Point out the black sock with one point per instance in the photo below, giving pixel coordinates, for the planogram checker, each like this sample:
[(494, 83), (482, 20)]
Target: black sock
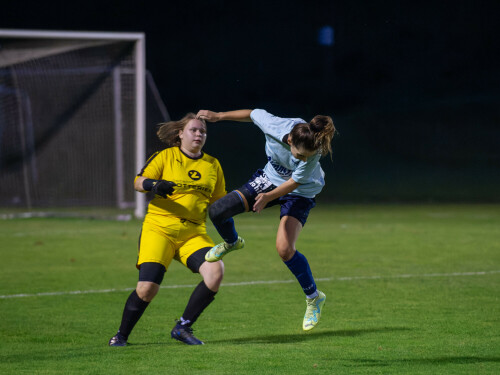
[(199, 300), (134, 307)]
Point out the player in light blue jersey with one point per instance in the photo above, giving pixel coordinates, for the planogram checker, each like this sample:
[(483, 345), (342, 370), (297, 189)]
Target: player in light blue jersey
[(292, 178)]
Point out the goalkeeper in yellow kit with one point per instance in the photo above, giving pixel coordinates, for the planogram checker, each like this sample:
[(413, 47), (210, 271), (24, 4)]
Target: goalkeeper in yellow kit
[(185, 182)]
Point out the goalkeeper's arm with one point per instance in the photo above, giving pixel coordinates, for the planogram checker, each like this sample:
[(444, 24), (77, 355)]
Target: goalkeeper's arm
[(161, 188)]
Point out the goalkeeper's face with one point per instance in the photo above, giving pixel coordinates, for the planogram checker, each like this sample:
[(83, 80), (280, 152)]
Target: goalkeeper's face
[(193, 136)]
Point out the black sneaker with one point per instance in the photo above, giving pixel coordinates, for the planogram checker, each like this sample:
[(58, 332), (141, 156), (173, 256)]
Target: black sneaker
[(185, 335), (117, 340)]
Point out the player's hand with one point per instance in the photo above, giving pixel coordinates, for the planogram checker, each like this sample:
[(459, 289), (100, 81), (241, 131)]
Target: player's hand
[(260, 202), (163, 188), (208, 115)]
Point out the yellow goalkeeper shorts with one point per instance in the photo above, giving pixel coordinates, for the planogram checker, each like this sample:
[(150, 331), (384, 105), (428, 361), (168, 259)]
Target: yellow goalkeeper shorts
[(166, 238)]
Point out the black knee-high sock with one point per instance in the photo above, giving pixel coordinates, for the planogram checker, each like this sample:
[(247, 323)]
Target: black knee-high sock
[(134, 307), (199, 300)]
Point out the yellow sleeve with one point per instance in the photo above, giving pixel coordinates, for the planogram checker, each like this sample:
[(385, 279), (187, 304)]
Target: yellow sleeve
[(220, 185), (153, 168)]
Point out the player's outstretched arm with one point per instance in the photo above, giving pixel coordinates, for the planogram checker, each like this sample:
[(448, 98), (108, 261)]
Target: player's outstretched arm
[(242, 115)]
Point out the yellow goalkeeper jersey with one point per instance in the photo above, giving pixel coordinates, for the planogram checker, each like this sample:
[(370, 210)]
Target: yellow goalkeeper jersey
[(199, 182)]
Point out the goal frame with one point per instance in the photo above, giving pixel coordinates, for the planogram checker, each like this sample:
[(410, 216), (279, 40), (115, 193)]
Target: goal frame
[(139, 40)]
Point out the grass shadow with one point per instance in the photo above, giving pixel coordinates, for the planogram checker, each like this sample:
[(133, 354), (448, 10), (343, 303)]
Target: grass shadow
[(306, 336)]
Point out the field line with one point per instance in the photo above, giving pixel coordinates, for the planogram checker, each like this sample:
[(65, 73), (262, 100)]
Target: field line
[(261, 282)]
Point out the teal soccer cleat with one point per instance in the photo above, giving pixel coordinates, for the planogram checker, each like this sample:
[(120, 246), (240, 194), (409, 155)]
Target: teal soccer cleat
[(218, 251), (313, 311)]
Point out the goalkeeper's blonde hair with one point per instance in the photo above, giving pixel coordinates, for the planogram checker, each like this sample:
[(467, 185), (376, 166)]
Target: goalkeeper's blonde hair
[(168, 132)]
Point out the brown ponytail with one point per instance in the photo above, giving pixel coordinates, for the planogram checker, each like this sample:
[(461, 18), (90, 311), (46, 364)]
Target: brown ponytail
[(315, 136), (168, 132)]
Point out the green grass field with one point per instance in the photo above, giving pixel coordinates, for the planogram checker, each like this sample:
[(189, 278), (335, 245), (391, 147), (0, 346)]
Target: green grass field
[(410, 290)]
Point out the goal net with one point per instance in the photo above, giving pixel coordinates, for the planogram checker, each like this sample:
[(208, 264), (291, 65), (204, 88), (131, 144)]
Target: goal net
[(72, 121)]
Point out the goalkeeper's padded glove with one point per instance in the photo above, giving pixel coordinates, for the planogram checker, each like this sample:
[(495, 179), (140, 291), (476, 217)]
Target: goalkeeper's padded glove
[(161, 188)]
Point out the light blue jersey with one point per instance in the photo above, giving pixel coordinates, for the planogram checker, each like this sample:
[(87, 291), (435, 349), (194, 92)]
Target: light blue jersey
[(281, 164)]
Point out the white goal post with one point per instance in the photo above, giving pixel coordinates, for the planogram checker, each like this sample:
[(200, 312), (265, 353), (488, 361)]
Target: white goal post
[(72, 117)]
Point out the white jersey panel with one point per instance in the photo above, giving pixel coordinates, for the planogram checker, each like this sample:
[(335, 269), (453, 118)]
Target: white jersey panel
[(281, 164)]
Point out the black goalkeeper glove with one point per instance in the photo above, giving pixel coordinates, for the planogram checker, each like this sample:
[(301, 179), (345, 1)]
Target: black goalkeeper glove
[(159, 187)]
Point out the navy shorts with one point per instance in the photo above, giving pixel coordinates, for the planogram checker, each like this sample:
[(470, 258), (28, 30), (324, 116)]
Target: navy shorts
[(291, 205)]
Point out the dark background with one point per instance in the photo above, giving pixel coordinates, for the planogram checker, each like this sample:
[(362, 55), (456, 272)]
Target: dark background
[(413, 87)]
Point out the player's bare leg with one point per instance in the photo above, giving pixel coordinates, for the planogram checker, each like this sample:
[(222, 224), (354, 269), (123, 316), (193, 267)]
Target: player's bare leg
[(201, 297), (288, 232)]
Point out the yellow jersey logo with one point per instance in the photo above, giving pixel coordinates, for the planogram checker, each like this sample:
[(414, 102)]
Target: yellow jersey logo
[(194, 175)]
